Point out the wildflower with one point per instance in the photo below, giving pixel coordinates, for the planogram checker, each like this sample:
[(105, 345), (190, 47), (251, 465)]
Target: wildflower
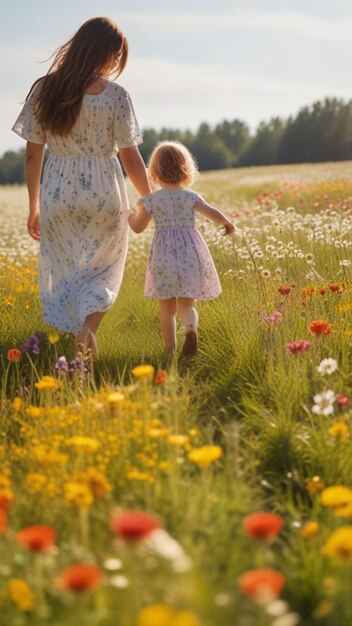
[(324, 403), (47, 383), (205, 456), (309, 529), (53, 338), (314, 485), (80, 577), (85, 444), (307, 291), (3, 521), (327, 366), (298, 346), (35, 482), (263, 525), (345, 263), (115, 398), (322, 291), (161, 377), (134, 525), (61, 364), (266, 273), (17, 404), (14, 355), (339, 429), (319, 327), (273, 318), (285, 290), (339, 545), (262, 584), (334, 288), (37, 538), (78, 494), (145, 372), (289, 619), (341, 399), (178, 440), (21, 594), (155, 615), (31, 345), (339, 499)]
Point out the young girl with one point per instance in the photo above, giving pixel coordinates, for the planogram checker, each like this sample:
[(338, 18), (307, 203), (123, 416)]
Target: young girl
[(180, 269), (84, 119)]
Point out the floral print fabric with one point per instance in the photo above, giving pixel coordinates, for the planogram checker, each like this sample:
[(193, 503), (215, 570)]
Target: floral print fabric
[(83, 206), (179, 263)]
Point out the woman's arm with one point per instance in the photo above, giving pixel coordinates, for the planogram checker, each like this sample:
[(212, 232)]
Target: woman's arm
[(33, 170), (215, 215), (135, 169), (140, 220)]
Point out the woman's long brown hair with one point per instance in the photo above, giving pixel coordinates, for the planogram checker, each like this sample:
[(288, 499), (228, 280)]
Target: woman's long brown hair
[(98, 45)]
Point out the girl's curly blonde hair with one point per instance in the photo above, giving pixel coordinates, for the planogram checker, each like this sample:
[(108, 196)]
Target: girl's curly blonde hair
[(172, 163)]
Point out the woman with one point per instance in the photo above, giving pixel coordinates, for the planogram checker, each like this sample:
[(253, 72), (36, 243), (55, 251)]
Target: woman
[(84, 119)]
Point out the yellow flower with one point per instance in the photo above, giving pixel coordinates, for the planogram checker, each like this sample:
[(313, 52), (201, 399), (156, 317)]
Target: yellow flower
[(97, 482), (136, 474), (45, 456), (53, 338), (35, 482), (339, 499), (145, 372), (86, 444), (314, 485), (205, 456), (185, 618), (339, 429), (155, 615), (309, 529), (21, 594), (34, 411), (116, 397), (339, 545), (47, 382), (17, 404), (158, 433), (78, 494), (178, 440)]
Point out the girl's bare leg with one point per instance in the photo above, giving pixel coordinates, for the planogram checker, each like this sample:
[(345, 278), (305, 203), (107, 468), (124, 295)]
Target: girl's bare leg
[(168, 323), (86, 335), (189, 317)]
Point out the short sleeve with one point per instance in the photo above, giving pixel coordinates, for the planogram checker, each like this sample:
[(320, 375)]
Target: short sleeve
[(148, 204), (126, 129), (27, 125)]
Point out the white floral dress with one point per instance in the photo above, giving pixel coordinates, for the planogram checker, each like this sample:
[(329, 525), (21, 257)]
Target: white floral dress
[(179, 264), (83, 206)]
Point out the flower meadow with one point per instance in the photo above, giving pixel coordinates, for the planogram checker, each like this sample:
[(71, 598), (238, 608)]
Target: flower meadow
[(215, 491)]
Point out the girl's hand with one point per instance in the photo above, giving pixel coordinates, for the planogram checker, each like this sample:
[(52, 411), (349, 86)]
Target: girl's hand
[(229, 228), (33, 225)]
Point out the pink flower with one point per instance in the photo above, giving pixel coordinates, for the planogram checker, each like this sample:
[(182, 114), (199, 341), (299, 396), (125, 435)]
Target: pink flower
[(274, 318), (284, 290), (341, 399), (298, 346)]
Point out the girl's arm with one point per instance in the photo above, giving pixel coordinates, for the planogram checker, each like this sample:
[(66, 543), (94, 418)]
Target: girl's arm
[(140, 220), (135, 169), (33, 170), (214, 214)]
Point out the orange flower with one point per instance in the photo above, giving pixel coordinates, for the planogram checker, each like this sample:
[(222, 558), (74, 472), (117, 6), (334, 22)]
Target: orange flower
[(259, 583), (134, 525), (37, 538), (307, 291), (14, 355), (263, 525), (160, 377), (80, 577), (3, 522), (320, 327)]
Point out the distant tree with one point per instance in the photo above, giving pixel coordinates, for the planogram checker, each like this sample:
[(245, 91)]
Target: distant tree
[(236, 137), (209, 150), (12, 167), (264, 146)]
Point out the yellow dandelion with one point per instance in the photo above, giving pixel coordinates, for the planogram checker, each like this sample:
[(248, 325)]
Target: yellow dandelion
[(339, 499), (97, 482), (47, 383), (205, 456), (178, 440), (116, 397), (85, 444), (35, 482), (309, 529), (144, 372), (78, 494), (21, 594), (53, 338), (34, 411), (339, 429), (339, 545)]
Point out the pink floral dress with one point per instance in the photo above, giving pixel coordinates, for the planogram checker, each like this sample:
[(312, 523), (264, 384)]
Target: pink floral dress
[(179, 263)]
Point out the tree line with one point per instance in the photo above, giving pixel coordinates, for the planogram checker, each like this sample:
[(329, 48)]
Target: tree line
[(319, 132)]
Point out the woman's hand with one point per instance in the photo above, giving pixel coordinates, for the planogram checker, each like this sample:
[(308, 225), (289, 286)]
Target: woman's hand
[(33, 225)]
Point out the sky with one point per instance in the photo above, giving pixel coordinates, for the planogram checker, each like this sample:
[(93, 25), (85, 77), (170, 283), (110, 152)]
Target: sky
[(191, 61)]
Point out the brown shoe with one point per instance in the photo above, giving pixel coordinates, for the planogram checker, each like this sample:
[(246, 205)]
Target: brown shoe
[(190, 345)]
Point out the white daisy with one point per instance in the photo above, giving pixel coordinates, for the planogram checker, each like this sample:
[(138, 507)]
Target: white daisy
[(327, 366), (324, 403)]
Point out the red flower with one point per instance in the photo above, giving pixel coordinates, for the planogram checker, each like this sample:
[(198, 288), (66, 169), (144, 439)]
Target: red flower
[(37, 538), (5, 501), (341, 399), (322, 291), (307, 291), (160, 377), (284, 290), (262, 582), (80, 577), (14, 355), (298, 346), (3, 522), (134, 525), (320, 327), (334, 288), (263, 525)]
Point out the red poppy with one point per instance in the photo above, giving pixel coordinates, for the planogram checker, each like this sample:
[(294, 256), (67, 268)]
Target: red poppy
[(14, 355), (258, 582), (334, 288), (5, 501), (37, 538), (80, 577), (263, 525), (3, 522), (284, 290), (322, 291), (320, 327), (160, 377), (134, 525)]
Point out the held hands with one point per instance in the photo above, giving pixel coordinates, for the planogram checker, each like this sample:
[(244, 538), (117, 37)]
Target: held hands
[(229, 228), (33, 225)]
